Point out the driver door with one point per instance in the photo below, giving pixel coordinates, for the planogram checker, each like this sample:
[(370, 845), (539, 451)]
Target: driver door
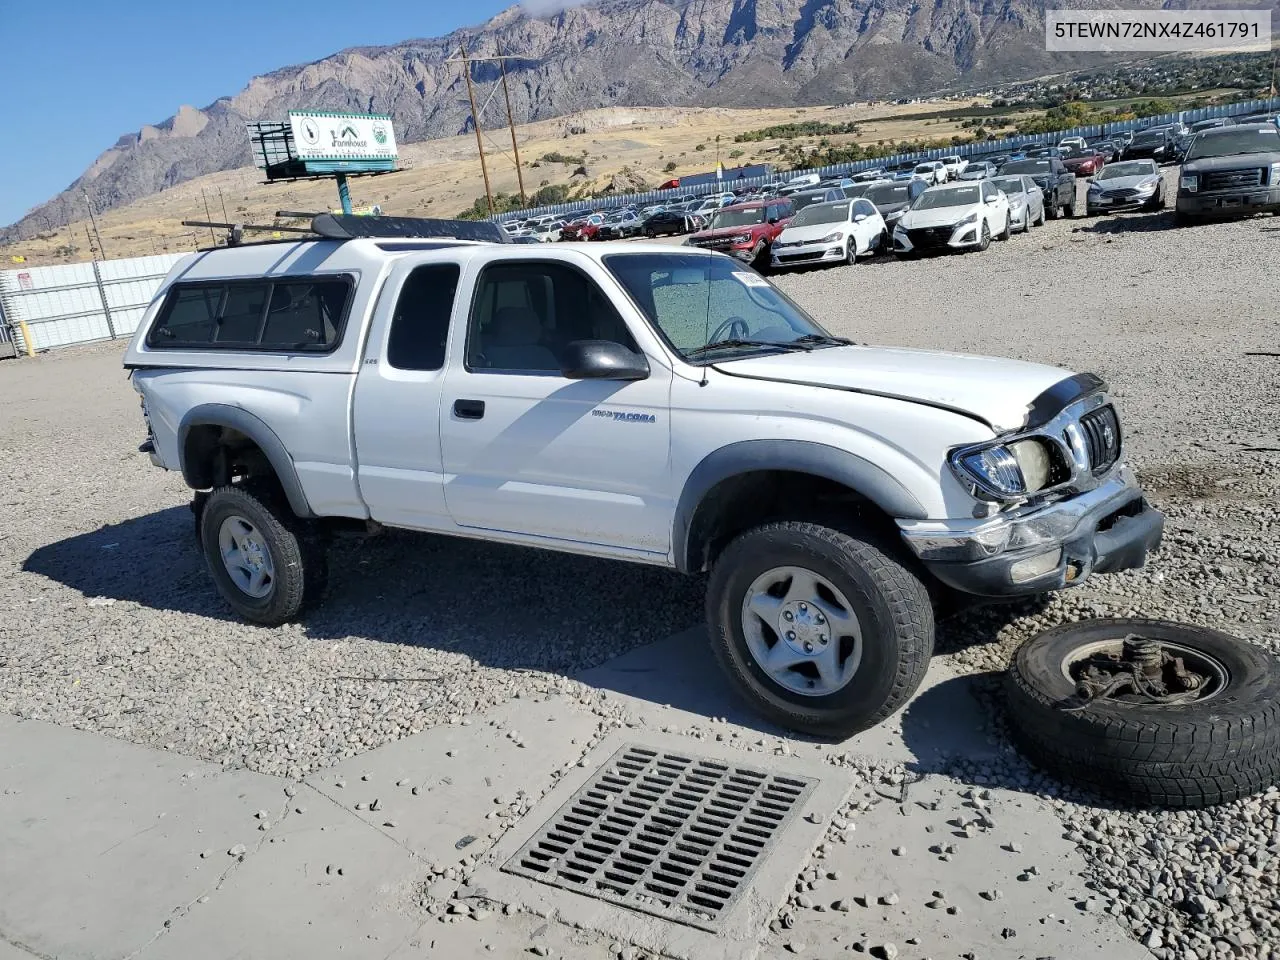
[(531, 453)]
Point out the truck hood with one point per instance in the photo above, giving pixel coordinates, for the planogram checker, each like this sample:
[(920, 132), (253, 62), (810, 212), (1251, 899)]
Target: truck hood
[(1241, 161), (997, 391), (724, 233)]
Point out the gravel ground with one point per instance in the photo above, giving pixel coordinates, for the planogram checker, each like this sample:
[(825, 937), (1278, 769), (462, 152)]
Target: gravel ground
[(110, 623)]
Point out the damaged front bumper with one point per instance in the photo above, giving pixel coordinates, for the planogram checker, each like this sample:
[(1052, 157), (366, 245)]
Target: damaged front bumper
[(1041, 548)]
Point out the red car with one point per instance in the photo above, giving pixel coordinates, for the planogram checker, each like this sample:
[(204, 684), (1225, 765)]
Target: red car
[(584, 228), (1083, 163), (746, 230)]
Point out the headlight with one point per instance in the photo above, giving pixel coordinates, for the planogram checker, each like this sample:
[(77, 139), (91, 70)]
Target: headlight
[(1007, 471), (900, 231), (1191, 184), (832, 238), (742, 238), (1275, 174), (971, 218), (1146, 188), (1095, 188)]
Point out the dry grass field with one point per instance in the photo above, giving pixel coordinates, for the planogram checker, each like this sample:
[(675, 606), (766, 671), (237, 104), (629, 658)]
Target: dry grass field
[(442, 177)]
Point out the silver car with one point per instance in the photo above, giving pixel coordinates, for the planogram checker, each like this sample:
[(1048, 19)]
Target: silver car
[(1026, 201), (1126, 185), (981, 170)]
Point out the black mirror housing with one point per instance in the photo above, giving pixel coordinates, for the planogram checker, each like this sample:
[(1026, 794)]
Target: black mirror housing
[(602, 360)]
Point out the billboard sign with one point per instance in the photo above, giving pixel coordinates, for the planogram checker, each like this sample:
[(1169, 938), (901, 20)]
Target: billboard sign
[(359, 138)]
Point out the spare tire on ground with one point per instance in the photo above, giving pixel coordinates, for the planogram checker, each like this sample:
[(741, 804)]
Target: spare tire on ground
[(1149, 711)]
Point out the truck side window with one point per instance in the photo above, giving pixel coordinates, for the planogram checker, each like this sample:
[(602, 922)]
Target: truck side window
[(420, 325), (525, 313), (188, 316)]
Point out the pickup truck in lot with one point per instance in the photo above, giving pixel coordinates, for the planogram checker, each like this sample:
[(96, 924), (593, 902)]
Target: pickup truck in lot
[(746, 230), (1230, 171), (646, 403)]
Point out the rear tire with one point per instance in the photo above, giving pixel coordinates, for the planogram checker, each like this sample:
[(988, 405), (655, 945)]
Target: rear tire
[(1008, 227), (1040, 219), (888, 608), (255, 525)]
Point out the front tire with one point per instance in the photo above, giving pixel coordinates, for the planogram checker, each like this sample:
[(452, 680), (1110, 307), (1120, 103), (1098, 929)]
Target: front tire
[(821, 631), (263, 560), (850, 252), (1040, 218), (984, 238)]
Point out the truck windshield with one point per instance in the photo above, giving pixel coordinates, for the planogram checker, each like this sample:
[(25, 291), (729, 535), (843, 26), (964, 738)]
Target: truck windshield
[(737, 218), (1235, 143), (710, 308)]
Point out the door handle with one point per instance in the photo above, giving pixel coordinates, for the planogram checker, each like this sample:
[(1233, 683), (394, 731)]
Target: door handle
[(468, 409)]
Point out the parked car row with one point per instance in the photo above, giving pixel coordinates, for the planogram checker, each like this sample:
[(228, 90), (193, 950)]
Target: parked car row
[(1123, 170)]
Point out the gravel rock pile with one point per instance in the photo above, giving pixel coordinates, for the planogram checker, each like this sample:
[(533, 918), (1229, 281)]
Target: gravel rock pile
[(111, 624)]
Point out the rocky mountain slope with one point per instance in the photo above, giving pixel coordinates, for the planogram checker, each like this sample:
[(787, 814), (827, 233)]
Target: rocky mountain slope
[(609, 52)]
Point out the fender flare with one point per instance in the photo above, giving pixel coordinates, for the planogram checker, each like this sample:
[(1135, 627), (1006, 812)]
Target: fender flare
[(801, 456), (239, 419)]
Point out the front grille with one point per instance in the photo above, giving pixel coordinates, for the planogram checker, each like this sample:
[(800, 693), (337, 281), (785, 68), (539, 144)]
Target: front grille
[(1125, 194), (1230, 179), (1101, 430), (797, 257), (671, 834), (926, 237), (717, 243)]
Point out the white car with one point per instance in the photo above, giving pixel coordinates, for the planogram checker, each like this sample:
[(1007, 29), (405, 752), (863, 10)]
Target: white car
[(955, 165), (955, 217), (932, 171), (1072, 143), (548, 232), (807, 180), (830, 233)]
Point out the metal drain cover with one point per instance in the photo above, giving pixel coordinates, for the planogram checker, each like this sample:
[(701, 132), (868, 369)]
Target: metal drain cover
[(671, 834)]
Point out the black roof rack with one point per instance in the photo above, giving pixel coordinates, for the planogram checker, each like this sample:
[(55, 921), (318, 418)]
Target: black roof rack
[(330, 226)]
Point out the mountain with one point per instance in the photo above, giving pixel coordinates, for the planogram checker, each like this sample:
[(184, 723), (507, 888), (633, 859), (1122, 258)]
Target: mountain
[(610, 52)]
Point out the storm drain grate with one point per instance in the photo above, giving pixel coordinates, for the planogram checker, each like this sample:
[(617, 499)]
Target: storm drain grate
[(674, 835)]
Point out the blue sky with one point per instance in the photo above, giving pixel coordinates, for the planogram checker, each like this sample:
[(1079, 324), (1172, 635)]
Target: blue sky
[(77, 74)]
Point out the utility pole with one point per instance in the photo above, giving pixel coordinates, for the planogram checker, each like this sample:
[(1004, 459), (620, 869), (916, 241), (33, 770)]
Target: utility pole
[(94, 220), (475, 121), (511, 125), (225, 218), (208, 217)]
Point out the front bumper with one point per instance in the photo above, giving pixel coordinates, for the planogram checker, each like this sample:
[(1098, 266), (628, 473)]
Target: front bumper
[(1229, 203), (809, 253), (1046, 548), (1101, 204), (938, 238)]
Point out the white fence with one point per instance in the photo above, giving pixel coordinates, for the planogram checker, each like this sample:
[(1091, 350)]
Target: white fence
[(79, 302)]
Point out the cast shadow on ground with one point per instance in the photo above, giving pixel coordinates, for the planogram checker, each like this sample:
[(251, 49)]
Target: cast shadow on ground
[(1131, 223), (632, 629)]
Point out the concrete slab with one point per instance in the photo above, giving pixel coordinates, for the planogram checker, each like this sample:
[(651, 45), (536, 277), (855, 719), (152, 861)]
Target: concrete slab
[(459, 772), (449, 938), (289, 900), (738, 939), (100, 840), (676, 682), (1015, 885)]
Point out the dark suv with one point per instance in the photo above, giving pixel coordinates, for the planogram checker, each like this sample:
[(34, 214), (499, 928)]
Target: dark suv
[(1230, 171), (1056, 182)]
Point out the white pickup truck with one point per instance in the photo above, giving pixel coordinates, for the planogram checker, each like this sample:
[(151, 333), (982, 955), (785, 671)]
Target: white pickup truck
[(643, 402)]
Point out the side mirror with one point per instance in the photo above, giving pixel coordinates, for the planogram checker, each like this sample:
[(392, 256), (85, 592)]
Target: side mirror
[(602, 360), (773, 221), (859, 217)]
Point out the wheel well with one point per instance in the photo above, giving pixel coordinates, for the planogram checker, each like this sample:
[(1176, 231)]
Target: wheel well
[(214, 456), (741, 502)]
